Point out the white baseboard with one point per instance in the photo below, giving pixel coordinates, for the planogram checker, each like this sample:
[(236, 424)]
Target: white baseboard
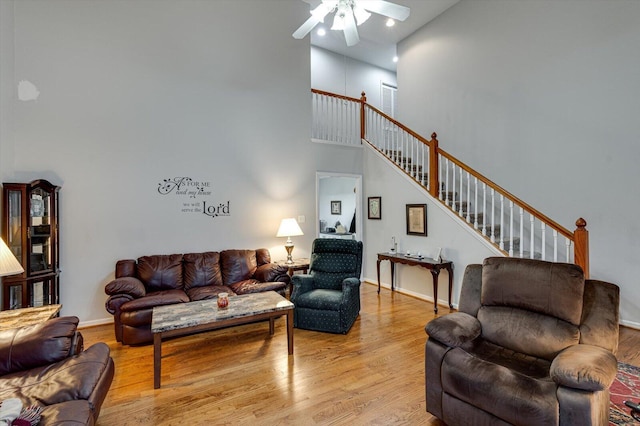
[(93, 323)]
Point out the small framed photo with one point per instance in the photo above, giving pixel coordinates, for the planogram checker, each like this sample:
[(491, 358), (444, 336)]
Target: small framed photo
[(417, 219), (374, 208), (336, 207)]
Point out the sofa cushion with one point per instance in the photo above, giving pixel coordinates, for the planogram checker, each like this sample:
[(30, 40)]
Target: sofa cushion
[(161, 272), (202, 269), (36, 345), (527, 332), (320, 299), (72, 378), (548, 288), (254, 286), (157, 298), (509, 395), (208, 292), (237, 265)]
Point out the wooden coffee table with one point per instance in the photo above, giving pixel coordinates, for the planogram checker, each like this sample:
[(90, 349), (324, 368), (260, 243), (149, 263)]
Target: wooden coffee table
[(193, 317)]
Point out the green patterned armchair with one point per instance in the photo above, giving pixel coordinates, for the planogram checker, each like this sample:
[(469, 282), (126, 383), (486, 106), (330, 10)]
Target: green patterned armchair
[(328, 298)]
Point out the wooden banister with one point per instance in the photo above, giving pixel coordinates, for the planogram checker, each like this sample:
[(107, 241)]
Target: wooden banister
[(363, 102), (581, 248), (434, 184)]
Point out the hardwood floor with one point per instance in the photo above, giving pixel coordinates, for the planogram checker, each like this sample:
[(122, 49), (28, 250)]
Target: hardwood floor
[(374, 375)]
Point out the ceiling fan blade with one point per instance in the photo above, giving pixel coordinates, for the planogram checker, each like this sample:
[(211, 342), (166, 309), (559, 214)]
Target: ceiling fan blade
[(350, 30), (317, 15), (381, 7), (306, 27)]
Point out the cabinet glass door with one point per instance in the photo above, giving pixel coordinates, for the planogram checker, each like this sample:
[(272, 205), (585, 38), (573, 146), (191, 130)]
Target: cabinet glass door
[(40, 231), (42, 293), (14, 234)]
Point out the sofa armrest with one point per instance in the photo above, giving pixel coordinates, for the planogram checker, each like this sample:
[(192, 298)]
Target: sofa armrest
[(301, 283), (585, 367), (272, 272), (349, 286), (87, 376), (113, 303), (37, 345), (454, 329), (126, 285)]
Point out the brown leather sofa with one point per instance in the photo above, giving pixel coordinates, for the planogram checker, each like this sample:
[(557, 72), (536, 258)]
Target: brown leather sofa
[(533, 343), (178, 278), (45, 365)]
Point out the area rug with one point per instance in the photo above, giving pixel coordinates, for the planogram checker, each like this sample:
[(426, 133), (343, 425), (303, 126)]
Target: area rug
[(626, 387)]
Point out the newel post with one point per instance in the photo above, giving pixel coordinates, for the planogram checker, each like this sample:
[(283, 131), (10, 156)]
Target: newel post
[(581, 248), (434, 185), (363, 101)]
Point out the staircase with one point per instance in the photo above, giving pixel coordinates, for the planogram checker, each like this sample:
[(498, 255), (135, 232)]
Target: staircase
[(510, 224)]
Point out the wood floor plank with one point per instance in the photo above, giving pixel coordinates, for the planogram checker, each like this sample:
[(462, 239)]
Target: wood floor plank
[(374, 375)]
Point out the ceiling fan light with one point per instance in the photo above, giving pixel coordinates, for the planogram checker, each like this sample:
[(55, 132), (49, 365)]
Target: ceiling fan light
[(338, 22), (321, 11), (390, 22), (360, 14)]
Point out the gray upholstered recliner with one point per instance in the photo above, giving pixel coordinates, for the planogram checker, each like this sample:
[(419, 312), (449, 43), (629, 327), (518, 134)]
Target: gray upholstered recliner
[(533, 343), (328, 298)]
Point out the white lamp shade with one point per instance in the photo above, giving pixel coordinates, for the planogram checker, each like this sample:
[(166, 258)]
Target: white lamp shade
[(9, 265), (289, 228)]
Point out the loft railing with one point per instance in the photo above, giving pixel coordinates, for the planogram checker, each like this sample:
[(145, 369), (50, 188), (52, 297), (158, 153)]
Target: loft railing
[(510, 224)]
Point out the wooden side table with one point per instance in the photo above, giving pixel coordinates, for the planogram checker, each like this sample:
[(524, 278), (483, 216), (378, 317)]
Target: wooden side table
[(297, 265), (430, 264)]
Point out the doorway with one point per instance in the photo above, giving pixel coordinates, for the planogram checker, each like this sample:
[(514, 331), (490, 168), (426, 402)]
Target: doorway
[(339, 205)]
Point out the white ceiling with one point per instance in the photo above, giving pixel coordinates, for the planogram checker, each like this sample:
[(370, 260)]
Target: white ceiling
[(377, 41)]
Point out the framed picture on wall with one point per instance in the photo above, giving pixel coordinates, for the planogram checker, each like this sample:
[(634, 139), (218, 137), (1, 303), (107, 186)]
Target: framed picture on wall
[(336, 207), (417, 219), (375, 208)]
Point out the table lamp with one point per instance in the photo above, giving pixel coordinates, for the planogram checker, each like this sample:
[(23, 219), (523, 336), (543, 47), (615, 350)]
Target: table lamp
[(9, 265), (289, 228)]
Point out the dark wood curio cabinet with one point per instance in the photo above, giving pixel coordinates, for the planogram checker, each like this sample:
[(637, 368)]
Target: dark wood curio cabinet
[(30, 229)]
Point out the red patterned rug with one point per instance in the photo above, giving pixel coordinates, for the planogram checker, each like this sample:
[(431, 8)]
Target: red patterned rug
[(626, 387)]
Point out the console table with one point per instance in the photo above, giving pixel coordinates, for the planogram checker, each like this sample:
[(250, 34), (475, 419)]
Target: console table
[(432, 265)]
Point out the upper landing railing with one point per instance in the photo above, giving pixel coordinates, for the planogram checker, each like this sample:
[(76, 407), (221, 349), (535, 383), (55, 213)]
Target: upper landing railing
[(513, 226)]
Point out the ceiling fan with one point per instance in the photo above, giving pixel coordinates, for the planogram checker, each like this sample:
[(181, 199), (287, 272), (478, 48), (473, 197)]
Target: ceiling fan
[(349, 14)]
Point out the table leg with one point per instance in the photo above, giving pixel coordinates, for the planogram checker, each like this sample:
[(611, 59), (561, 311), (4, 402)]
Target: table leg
[(290, 331), (434, 274), (378, 268), (393, 273), (272, 328), (157, 359)]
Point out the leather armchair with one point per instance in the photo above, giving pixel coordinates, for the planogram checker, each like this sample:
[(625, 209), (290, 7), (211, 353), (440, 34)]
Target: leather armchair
[(46, 365), (533, 343), (328, 298)]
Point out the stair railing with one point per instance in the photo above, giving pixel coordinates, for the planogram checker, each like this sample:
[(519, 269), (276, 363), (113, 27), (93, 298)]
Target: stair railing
[(510, 224)]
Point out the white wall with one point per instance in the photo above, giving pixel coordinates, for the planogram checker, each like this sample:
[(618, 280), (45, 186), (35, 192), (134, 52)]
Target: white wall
[(338, 74), (132, 93), (458, 244), (542, 97)]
